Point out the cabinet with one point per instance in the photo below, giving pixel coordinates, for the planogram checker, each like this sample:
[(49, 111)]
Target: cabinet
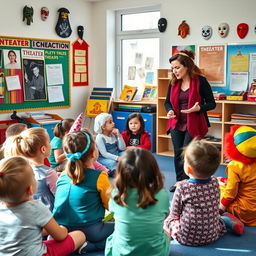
[(217, 129)]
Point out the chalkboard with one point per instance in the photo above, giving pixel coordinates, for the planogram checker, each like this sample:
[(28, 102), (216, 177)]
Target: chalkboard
[(34, 74)]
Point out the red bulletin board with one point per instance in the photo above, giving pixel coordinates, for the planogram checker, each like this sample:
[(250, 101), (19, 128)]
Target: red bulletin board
[(80, 63)]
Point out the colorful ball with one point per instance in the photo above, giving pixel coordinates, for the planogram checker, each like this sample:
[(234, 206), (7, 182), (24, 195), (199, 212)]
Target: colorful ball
[(245, 141)]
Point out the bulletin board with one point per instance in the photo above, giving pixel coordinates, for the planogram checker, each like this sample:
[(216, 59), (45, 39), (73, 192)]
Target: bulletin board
[(39, 77), (241, 58)]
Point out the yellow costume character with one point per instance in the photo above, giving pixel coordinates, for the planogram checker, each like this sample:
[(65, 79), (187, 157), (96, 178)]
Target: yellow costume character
[(239, 195)]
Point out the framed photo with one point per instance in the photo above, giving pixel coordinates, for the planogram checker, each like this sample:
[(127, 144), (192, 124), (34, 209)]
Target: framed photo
[(12, 59), (34, 80)]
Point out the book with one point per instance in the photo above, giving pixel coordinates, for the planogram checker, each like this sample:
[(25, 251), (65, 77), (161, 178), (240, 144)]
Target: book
[(147, 92), (96, 106), (139, 93), (128, 93), (153, 93)]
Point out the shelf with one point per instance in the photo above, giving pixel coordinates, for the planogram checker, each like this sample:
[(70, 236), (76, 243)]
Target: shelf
[(239, 123), (213, 142), (166, 153), (215, 122), (164, 78), (164, 136), (143, 102), (163, 117)]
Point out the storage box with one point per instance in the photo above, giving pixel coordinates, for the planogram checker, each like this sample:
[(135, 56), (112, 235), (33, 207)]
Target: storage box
[(3, 126), (47, 123)]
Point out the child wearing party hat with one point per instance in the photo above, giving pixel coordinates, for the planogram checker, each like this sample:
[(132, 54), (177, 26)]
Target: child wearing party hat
[(238, 197)]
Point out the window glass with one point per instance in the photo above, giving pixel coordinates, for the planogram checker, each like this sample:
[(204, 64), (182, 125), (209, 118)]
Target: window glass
[(139, 21)]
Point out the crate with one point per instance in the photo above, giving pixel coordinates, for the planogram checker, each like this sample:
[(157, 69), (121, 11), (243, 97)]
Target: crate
[(3, 126), (46, 124)]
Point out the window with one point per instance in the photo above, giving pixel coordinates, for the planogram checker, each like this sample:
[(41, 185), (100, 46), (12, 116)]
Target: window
[(137, 47)]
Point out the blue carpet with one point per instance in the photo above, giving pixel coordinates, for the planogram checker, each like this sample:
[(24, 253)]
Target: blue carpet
[(228, 245)]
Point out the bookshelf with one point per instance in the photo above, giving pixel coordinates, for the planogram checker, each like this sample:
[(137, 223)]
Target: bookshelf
[(217, 129)]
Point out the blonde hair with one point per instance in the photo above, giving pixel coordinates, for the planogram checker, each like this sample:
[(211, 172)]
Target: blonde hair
[(76, 142), (27, 143), (203, 157), (13, 178), (15, 129)]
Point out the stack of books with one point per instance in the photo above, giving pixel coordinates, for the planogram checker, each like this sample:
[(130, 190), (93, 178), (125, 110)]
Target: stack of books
[(213, 116), (99, 101), (243, 118), (42, 118)]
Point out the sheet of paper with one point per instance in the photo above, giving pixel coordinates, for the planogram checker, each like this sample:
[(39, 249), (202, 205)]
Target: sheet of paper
[(252, 70), (77, 78), (80, 53), (239, 63), (55, 94), (83, 77), (79, 60), (12, 83), (238, 81), (54, 74), (80, 68)]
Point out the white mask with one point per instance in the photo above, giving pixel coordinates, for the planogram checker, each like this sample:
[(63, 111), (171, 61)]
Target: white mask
[(223, 29), (206, 32)]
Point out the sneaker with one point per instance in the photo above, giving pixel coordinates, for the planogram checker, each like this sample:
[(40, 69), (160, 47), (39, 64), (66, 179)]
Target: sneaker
[(80, 250), (233, 223), (111, 173)]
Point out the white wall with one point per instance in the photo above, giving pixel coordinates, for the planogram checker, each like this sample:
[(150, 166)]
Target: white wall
[(80, 14), (197, 13)]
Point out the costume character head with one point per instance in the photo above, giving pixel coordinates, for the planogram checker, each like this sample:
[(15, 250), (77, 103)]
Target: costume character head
[(63, 28), (206, 32), (183, 29), (28, 14), (242, 30), (44, 13), (223, 29), (240, 144), (162, 24)]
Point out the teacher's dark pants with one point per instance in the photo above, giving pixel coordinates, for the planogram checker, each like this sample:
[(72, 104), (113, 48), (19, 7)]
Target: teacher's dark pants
[(180, 139)]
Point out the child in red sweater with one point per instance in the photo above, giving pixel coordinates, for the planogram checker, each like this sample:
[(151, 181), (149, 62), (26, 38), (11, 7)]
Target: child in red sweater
[(135, 134)]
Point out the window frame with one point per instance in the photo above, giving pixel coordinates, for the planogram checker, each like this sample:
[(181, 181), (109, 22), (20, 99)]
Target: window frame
[(131, 34)]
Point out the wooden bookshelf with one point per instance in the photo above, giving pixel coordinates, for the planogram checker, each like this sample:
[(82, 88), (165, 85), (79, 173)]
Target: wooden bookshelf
[(217, 129)]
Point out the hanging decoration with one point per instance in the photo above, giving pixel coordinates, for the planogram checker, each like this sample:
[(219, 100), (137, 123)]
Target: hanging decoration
[(162, 24), (242, 30), (183, 29), (223, 29), (28, 14), (44, 13), (80, 59), (207, 32), (63, 28)]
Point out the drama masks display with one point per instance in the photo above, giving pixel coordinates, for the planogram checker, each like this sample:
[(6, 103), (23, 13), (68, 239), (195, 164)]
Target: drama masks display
[(242, 30), (63, 28), (44, 13), (183, 29), (80, 32), (207, 32), (223, 29), (162, 24), (28, 14)]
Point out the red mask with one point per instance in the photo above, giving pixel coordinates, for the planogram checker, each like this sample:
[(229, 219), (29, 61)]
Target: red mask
[(242, 30), (183, 29)]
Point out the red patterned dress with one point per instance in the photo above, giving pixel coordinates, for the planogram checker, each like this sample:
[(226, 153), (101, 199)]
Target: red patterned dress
[(194, 216)]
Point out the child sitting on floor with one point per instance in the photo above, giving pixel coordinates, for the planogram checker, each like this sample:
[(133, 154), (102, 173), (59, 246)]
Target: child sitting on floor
[(109, 141), (135, 134), (81, 197), (194, 216), (239, 195), (28, 219), (140, 204), (34, 144)]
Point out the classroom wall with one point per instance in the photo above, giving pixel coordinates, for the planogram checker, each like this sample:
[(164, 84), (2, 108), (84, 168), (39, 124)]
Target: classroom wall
[(80, 14), (197, 13)]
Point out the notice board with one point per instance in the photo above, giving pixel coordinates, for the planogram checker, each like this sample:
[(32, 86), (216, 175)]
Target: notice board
[(34, 74)]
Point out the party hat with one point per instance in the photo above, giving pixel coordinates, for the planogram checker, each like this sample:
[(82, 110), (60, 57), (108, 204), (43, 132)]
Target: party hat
[(77, 125)]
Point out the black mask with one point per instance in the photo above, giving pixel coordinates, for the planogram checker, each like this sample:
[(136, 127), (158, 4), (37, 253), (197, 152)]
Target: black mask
[(80, 32), (162, 24)]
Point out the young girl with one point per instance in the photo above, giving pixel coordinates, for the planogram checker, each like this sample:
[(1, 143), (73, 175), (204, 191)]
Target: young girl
[(27, 218), (135, 134), (239, 195), (60, 130), (140, 205), (194, 217), (81, 197), (109, 141), (34, 144)]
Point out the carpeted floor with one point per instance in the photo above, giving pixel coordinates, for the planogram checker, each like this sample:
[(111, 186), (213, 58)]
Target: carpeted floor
[(228, 245)]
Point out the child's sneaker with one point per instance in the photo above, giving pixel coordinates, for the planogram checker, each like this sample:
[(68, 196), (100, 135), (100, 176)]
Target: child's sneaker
[(233, 223), (80, 250), (111, 173)]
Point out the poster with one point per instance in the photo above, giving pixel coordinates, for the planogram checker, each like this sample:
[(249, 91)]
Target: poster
[(178, 48), (212, 62)]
